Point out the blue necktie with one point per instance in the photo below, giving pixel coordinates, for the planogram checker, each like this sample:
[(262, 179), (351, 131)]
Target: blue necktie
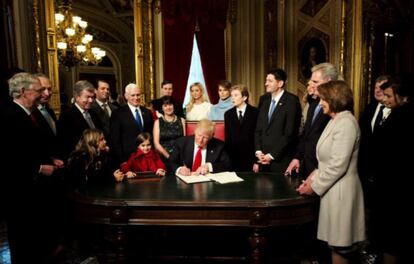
[(315, 114), (138, 119), (271, 110)]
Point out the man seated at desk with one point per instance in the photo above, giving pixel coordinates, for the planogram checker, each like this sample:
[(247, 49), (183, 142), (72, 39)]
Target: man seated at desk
[(200, 153)]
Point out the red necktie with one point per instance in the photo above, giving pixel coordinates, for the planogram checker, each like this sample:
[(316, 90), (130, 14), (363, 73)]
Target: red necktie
[(197, 160), (33, 118)]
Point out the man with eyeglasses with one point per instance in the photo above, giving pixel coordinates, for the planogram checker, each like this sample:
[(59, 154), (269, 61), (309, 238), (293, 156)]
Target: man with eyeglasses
[(22, 165)]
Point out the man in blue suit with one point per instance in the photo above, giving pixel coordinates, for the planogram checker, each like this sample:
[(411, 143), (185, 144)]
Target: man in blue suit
[(278, 124)]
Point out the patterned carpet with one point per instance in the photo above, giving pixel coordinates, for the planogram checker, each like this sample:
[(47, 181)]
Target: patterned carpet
[(70, 257), (4, 245)]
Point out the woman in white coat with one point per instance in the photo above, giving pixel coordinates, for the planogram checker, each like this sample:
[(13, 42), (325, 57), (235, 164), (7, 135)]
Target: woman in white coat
[(336, 181)]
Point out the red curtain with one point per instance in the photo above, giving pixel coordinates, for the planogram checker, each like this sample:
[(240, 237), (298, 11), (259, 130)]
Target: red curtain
[(180, 18)]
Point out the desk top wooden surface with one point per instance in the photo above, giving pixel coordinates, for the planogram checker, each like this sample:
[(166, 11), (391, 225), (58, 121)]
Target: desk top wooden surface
[(256, 189)]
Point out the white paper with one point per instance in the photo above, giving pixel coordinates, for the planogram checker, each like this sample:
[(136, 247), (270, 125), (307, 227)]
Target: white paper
[(222, 177)]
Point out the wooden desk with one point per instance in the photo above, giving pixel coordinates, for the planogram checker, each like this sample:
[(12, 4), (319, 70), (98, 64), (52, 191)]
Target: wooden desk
[(260, 202)]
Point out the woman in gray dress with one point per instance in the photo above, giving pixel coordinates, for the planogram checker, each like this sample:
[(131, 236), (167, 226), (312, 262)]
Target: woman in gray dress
[(341, 216)]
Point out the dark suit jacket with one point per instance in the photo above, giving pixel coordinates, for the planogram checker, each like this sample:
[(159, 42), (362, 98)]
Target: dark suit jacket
[(102, 115), (124, 131), (49, 139), (306, 149), (366, 155), (70, 127), (22, 151), (263, 98), (239, 137), (279, 136), (216, 154)]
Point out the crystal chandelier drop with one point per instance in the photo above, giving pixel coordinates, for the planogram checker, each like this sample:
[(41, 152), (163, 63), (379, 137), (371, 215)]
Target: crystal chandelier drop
[(73, 43)]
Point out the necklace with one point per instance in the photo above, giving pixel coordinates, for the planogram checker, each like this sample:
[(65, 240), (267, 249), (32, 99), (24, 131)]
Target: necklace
[(170, 121)]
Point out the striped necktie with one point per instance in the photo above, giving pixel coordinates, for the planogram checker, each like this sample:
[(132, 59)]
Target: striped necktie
[(88, 119), (48, 118)]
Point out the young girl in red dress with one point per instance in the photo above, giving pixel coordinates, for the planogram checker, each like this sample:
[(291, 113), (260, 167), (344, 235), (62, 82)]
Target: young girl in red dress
[(144, 159)]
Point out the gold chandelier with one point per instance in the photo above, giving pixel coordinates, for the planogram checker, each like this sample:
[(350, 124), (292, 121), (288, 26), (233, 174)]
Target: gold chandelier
[(73, 43)]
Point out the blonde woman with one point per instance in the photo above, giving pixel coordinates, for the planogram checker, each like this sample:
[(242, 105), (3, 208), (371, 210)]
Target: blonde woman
[(88, 163), (198, 108)]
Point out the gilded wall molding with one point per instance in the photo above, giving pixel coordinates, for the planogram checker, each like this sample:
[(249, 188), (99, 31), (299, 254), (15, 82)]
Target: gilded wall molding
[(342, 41), (51, 54), (148, 22), (144, 51), (281, 33), (139, 46), (37, 35), (356, 55), (232, 14)]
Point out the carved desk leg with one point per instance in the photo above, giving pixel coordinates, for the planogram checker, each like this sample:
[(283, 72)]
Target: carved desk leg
[(118, 235), (258, 218), (120, 243), (257, 242)]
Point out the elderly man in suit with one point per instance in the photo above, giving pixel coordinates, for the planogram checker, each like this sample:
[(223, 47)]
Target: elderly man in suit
[(46, 118), (102, 105), (200, 153), (127, 122), (22, 165), (278, 124), (304, 160), (78, 117)]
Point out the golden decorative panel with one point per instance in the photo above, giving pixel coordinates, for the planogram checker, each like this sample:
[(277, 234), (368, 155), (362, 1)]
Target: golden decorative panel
[(326, 18), (312, 7)]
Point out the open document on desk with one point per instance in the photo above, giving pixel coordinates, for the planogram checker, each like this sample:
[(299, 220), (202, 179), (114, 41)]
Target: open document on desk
[(222, 177)]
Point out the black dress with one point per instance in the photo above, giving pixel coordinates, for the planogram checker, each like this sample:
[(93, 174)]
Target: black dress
[(169, 132)]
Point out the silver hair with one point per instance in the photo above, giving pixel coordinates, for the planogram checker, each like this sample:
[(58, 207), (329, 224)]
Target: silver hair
[(329, 71), (19, 81), (129, 87), (82, 86)]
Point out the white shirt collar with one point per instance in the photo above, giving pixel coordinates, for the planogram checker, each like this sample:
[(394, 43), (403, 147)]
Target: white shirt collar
[(83, 111), (132, 108), (277, 97), (100, 103), (24, 108), (241, 108)]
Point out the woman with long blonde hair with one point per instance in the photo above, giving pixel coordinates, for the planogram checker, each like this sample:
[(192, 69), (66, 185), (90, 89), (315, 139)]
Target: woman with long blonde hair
[(88, 163), (199, 107)]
